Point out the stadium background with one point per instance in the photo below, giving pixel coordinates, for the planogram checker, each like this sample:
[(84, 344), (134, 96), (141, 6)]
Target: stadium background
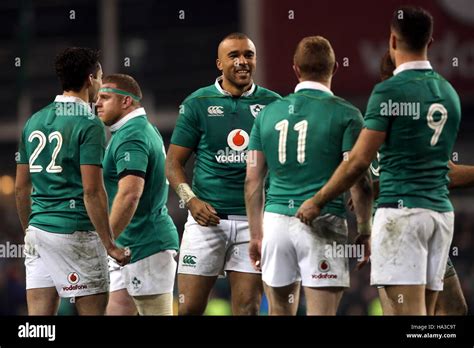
[(170, 48)]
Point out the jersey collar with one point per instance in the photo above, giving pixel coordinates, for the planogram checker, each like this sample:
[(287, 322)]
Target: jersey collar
[(312, 85), (135, 113), (72, 99), (224, 92), (414, 65)]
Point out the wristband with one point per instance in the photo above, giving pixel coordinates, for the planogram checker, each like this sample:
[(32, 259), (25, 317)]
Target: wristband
[(185, 193), (364, 228)]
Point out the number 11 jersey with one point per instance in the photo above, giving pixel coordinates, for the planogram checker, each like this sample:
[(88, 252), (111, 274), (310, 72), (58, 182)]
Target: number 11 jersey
[(304, 137)]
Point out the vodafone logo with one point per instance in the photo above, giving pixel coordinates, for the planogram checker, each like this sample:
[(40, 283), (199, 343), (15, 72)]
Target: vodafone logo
[(323, 266), (73, 278), (238, 139)]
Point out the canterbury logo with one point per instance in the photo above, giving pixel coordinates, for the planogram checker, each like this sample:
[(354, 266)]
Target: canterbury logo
[(189, 260), (375, 170), (215, 111)]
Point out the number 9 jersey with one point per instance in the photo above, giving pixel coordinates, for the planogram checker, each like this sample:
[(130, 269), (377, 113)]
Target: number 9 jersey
[(55, 142), (420, 112)]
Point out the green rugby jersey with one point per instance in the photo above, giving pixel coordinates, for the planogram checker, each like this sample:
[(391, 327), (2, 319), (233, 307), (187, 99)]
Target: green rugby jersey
[(55, 142), (136, 147), (217, 126), (421, 112), (303, 137)]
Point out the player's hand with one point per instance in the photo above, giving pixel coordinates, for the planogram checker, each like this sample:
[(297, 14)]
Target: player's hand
[(308, 211), (350, 204), (364, 240), (121, 255), (255, 253), (203, 213)]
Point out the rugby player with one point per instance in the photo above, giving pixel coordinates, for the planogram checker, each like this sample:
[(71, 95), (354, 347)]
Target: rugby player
[(301, 140), (413, 118), (134, 176), (65, 218), (451, 299), (215, 123)]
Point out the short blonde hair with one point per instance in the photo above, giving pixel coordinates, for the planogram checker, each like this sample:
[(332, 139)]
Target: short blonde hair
[(315, 58)]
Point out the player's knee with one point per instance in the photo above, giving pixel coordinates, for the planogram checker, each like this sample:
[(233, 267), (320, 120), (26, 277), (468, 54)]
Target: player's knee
[(460, 309), (464, 310), (160, 304), (247, 306), (191, 308), (457, 308), (92, 304)]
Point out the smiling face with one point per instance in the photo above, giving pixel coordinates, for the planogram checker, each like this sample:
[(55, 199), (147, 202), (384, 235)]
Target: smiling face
[(109, 105), (237, 60)]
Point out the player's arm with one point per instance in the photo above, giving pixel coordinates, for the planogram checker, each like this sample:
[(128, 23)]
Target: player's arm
[(95, 200), (176, 159), (460, 175), (348, 172), (23, 194), (376, 188), (362, 197), (254, 200), (124, 206)]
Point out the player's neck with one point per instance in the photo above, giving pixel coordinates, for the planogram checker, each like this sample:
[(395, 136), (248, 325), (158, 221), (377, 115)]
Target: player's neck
[(233, 89), (127, 111), (403, 58), (82, 94), (324, 83)]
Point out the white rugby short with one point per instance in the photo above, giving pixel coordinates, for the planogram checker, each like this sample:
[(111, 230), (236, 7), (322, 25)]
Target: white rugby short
[(293, 251), (410, 246), (76, 264), (152, 275), (212, 250)]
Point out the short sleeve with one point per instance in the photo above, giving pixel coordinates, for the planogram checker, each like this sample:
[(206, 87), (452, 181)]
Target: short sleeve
[(377, 115), (255, 140), (92, 144), (132, 156), (187, 131), (354, 125)]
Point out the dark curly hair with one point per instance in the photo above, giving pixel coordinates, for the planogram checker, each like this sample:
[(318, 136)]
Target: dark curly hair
[(414, 25), (74, 65)]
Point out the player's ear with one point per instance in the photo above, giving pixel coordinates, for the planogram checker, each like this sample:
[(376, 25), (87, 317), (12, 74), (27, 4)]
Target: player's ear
[(393, 41), (297, 71), (90, 81), (126, 102), (336, 66), (219, 64), (430, 42)]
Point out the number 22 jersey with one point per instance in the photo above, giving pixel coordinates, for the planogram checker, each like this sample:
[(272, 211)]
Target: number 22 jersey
[(55, 142)]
